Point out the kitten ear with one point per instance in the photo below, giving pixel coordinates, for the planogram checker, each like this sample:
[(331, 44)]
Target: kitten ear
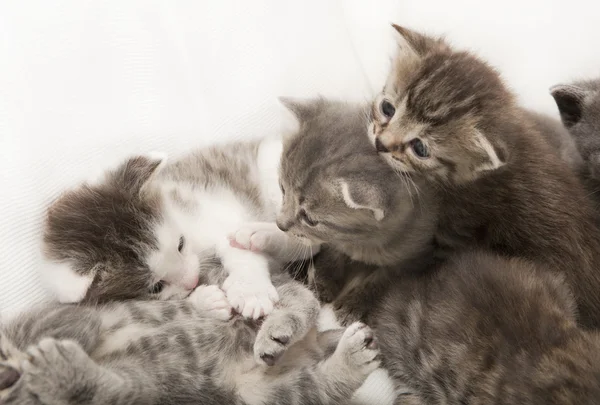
[(569, 99), (361, 195), (137, 172), (488, 156), (418, 43), (302, 108)]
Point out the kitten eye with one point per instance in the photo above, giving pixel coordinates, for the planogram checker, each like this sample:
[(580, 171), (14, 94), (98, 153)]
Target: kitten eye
[(282, 189), (387, 109), (181, 243), (304, 217), (157, 288), (419, 148)]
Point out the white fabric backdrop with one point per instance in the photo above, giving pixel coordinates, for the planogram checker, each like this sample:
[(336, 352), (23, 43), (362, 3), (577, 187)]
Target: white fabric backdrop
[(85, 83)]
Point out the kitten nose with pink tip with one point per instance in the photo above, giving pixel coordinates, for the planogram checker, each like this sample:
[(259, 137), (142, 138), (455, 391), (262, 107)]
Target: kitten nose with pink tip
[(189, 283)]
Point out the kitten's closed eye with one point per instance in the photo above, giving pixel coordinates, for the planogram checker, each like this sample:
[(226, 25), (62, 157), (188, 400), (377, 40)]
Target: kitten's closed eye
[(181, 243), (304, 217), (157, 288), (387, 109)]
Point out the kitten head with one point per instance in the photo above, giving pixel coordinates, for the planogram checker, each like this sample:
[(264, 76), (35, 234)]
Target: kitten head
[(432, 118), (333, 183), (118, 239), (579, 107)]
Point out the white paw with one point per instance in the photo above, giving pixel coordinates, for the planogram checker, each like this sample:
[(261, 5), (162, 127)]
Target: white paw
[(359, 348), (211, 300), (251, 297), (254, 236)]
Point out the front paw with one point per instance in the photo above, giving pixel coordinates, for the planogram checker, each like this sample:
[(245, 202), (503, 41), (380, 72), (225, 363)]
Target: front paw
[(211, 300), (358, 349), (251, 297), (59, 372), (254, 236), (273, 339)]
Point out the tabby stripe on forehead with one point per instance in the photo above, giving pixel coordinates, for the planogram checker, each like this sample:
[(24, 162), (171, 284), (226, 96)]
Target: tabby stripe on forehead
[(448, 163)]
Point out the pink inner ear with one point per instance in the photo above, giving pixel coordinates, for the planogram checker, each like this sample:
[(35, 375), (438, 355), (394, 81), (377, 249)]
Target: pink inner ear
[(8, 377)]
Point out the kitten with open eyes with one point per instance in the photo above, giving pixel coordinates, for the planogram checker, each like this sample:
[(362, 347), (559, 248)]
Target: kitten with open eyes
[(182, 352), (579, 107), (445, 117), (152, 229)]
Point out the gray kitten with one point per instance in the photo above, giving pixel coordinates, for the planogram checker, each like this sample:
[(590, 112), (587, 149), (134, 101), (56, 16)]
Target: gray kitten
[(181, 352), (579, 107), (483, 329), (336, 190)]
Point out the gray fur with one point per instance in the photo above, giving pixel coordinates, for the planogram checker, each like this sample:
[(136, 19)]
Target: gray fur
[(579, 107), (331, 149), (174, 352), (482, 330)]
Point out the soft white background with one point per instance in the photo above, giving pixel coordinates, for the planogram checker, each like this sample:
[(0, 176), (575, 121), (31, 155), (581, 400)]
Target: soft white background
[(85, 83)]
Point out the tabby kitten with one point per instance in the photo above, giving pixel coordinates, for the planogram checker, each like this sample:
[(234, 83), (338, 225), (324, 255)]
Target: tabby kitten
[(152, 229), (484, 329), (182, 352), (579, 107), (446, 118)]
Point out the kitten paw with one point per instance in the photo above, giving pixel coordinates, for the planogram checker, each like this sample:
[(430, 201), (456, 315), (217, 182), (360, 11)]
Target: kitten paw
[(273, 339), (251, 297), (212, 300), (359, 349), (59, 371), (255, 236)]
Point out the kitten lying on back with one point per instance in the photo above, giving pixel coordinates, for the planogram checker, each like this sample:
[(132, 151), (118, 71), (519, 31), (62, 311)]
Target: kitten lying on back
[(152, 352), (445, 118), (149, 227)]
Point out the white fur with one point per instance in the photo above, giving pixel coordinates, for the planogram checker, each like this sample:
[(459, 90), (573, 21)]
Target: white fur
[(215, 214), (65, 283), (485, 145), (327, 319), (379, 214), (268, 160)]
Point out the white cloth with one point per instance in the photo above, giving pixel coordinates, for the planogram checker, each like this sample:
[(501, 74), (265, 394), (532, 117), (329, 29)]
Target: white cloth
[(85, 83)]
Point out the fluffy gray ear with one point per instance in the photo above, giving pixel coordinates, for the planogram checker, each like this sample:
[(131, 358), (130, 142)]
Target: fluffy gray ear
[(420, 44), (137, 172), (570, 100), (302, 108), (361, 195)]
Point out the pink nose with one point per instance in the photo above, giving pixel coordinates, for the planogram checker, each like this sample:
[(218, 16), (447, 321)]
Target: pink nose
[(191, 282)]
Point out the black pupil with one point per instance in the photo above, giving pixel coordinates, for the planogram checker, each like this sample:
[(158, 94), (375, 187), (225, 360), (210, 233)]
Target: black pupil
[(158, 287), (388, 109), (181, 243), (419, 148), (282, 189)]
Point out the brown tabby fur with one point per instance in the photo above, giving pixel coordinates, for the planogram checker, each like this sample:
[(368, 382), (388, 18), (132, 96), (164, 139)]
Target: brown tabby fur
[(516, 197)]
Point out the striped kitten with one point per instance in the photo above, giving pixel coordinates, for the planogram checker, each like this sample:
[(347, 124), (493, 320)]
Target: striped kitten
[(182, 352), (152, 229), (445, 118)]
